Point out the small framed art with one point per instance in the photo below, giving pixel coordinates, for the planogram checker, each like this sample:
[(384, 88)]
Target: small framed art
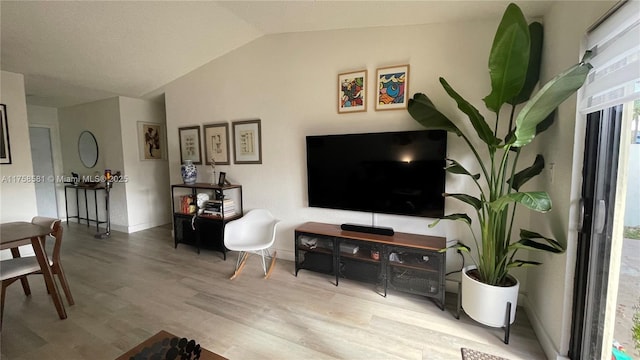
[(247, 142), (151, 141), (216, 143), (392, 87), (352, 91), (222, 179), (5, 149), (190, 144)]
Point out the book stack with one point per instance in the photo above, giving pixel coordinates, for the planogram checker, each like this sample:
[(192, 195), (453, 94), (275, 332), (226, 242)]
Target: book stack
[(185, 201), (222, 208)]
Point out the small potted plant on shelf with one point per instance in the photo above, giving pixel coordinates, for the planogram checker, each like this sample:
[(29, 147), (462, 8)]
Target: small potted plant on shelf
[(514, 64)]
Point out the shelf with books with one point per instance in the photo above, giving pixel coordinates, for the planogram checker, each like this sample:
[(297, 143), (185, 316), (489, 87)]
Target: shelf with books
[(205, 209)]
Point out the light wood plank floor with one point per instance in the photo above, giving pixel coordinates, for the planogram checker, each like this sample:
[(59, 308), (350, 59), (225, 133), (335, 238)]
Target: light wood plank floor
[(130, 286)]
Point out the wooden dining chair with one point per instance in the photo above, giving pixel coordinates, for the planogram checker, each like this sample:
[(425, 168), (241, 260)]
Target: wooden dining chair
[(19, 268)]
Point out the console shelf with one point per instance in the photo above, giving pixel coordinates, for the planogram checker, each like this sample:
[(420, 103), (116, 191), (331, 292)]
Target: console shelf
[(198, 228), (407, 262)]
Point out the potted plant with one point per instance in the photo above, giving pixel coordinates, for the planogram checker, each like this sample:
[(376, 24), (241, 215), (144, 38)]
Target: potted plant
[(514, 64)]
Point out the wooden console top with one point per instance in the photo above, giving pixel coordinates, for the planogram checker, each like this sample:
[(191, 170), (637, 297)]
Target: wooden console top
[(400, 239)]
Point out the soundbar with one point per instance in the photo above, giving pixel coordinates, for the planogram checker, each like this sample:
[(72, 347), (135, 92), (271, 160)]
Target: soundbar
[(368, 229)]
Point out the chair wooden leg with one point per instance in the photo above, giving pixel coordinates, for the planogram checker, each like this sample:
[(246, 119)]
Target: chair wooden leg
[(4, 291), (15, 252), (240, 267), (63, 281), (25, 285), (271, 265)]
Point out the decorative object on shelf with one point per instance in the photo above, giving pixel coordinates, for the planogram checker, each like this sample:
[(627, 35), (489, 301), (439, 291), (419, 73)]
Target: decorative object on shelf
[(247, 147), (216, 143), (201, 199), (151, 141), (352, 91), (223, 178), (5, 149), (514, 71), (213, 171), (190, 144), (392, 87), (189, 172), (88, 149)]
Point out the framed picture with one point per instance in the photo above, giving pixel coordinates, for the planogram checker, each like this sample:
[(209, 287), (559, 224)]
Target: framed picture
[(352, 92), (392, 87), (247, 147), (222, 179), (5, 149), (151, 141), (190, 144), (216, 144)]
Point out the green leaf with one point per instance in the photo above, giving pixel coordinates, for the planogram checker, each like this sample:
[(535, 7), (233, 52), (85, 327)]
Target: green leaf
[(535, 200), (456, 217), (424, 112), (508, 59), (546, 123), (541, 127), (548, 99), (531, 235), (532, 245), (477, 120), (471, 200), (525, 175), (522, 263), (454, 167), (533, 69), (458, 246)]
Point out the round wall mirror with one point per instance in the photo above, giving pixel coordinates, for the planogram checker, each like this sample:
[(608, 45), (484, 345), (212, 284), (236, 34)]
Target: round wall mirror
[(88, 149)]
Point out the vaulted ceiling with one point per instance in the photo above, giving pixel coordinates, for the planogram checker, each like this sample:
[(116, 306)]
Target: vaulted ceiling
[(72, 52)]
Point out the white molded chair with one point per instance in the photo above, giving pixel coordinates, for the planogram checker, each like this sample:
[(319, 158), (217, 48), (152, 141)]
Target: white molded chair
[(19, 267), (254, 232)]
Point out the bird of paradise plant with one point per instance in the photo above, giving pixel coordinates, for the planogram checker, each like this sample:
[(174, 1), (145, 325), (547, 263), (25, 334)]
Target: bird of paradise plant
[(514, 68)]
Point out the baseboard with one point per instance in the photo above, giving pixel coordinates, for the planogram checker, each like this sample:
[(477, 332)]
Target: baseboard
[(547, 345), (145, 226), (286, 254)]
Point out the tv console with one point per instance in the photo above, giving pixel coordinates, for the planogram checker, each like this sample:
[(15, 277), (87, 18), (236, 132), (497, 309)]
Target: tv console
[(405, 262), (368, 229)]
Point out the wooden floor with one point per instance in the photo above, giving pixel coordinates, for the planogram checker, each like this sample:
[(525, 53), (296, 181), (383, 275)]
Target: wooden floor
[(130, 286)]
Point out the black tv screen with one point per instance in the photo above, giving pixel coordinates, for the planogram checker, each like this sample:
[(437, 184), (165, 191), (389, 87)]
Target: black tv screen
[(391, 173)]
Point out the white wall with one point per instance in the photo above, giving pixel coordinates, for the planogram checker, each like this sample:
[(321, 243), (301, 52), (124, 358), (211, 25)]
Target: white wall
[(42, 116), (289, 81), (550, 286), (147, 188), (18, 199), (102, 118)]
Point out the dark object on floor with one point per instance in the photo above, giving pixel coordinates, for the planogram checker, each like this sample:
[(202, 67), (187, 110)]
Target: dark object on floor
[(468, 354), (165, 345)]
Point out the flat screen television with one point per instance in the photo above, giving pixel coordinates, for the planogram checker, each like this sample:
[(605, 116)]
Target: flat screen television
[(392, 172)]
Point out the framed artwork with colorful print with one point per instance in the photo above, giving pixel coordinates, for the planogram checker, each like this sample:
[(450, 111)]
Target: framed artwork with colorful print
[(392, 88), (352, 91)]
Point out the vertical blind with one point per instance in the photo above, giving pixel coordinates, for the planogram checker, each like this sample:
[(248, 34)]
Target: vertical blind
[(615, 77)]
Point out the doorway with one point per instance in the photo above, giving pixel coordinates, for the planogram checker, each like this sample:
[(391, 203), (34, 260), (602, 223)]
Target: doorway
[(43, 168)]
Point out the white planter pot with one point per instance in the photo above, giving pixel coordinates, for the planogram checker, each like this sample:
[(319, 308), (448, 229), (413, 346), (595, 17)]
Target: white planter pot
[(487, 304)]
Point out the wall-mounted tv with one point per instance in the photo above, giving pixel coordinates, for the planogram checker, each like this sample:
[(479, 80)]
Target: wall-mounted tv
[(391, 172)]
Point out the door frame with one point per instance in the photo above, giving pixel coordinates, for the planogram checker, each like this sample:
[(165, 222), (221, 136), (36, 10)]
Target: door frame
[(56, 155), (616, 227)]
